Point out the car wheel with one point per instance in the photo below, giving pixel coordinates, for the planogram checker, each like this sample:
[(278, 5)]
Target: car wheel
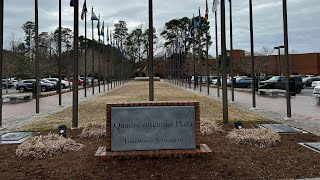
[(43, 89), (22, 89), (298, 90), (63, 86)]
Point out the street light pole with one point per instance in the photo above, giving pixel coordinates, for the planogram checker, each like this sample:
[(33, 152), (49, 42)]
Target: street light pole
[(279, 64), (286, 52), (231, 55), (252, 58)]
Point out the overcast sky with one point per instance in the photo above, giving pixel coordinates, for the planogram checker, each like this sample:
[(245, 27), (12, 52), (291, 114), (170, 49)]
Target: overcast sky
[(303, 18)]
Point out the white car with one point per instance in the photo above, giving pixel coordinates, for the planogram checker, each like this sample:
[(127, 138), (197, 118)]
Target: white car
[(316, 91), (315, 83), (64, 84)]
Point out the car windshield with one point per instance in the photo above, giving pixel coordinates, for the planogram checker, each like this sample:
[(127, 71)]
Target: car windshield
[(305, 79), (45, 81), (274, 78)]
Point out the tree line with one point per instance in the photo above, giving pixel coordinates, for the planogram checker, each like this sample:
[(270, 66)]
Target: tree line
[(177, 35)]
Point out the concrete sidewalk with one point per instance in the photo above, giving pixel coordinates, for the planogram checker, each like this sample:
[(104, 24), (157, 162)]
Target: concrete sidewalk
[(305, 111), (16, 115)]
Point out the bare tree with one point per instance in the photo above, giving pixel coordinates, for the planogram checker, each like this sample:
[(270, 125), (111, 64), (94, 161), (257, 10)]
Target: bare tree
[(262, 61)]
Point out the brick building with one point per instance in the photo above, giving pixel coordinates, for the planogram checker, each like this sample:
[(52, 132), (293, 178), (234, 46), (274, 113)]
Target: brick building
[(304, 64)]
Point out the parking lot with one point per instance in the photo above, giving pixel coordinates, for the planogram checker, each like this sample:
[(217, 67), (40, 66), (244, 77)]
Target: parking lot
[(304, 107)]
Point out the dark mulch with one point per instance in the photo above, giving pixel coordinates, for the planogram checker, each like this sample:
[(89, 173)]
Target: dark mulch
[(228, 161)]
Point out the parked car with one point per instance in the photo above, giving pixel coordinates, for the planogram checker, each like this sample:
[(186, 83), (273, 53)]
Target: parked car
[(315, 84), (215, 81), (229, 82), (64, 84), (80, 81), (7, 83), (278, 82), (308, 81), (243, 82), (316, 91), (27, 85)]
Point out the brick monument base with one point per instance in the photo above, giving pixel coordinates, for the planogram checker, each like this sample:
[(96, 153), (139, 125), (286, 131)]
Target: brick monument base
[(105, 153)]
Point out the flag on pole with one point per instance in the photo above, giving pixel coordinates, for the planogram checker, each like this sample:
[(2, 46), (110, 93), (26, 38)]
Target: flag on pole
[(199, 19), (207, 11), (71, 3), (98, 26), (102, 29), (94, 17), (197, 22), (215, 6), (84, 10)]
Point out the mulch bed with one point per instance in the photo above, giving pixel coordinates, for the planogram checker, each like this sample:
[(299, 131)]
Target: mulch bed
[(228, 161)]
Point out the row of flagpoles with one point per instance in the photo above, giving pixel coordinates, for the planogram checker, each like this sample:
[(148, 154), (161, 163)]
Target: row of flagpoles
[(94, 17), (193, 30)]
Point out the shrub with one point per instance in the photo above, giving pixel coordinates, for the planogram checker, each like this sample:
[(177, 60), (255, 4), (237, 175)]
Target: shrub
[(261, 137), (49, 145), (93, 130), (209, 126)]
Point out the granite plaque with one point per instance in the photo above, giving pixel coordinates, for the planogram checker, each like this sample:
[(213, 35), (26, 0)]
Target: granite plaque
[(15, 137), (282, 128), (315, 146), (153, 128)]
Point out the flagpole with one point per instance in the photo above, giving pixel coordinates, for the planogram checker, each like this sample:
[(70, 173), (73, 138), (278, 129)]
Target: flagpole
[(103, 53), (37, 86), (252, 57), (207, 46), (151, 82), (200, 51), (207, 66), (85, 55), (108, 58), (110, 63), (1, 55), (286, 56), (231, 54), (75, 64), (92, 44), (224, 64), (59, 49), (194, 57), (217, 55), (99, 55)]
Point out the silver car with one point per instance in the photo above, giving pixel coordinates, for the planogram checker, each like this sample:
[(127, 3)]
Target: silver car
[(316, 91), (315, 83)]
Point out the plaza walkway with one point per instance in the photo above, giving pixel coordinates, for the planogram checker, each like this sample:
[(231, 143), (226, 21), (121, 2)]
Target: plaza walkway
[(16, 115), (305, 111)]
